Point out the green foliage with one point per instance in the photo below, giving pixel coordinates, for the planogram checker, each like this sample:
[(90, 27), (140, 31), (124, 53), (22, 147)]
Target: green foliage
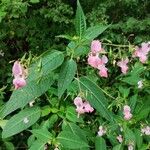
[(67, 74), (100, 143), (43, 113), (21, 121)]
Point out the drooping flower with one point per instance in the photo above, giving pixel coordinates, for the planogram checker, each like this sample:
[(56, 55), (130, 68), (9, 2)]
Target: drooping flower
[(94, 60), (119, 138), (96, 46), (102, 68), (19, 82), (103, 71), (17, 69), (142, 52), (82, 107), (87, 107), (101, 131), (19, 75), (123, 65), (127, 112)]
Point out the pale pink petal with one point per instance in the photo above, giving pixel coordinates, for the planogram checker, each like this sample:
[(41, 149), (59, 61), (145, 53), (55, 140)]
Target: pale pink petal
[(17, 69), (78, 101), (127, 116), (94, 61), (126, 108), (103, 71), (104, 59), (19, 82), (96, 46), (88, 108), (123, 65)]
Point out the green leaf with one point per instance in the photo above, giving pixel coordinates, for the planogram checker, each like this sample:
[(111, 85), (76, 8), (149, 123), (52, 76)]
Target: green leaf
[(96, 97), (118, 147), (66, 75), (100, 144), (38, 82), (9, 146), (129, 136), (80, 22), (76, 130), (21, 121), (38, 145), (34, 1), (133, 101), (139, 138), (94, 31), (42, 134), (142, 114), (71, 115), (71, 141), (134, 76)]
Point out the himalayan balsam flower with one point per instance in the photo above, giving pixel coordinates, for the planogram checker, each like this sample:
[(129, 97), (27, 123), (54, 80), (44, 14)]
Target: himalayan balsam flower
[(19, 75), (98, 62), (82, 107), (123, 65), (142, 52), (101, 131), (146, 130), (96, 47), (94, 60), (140, 84), (101, 67), (119, 138), (127, 113)]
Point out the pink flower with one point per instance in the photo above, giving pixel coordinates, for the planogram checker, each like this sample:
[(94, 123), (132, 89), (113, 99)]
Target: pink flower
[(82, 107), (101, 67), (119, 138), (142, 52), (101, 131), (17, 69), (127, 116), (87, 107), (78, 101), (96, 47), (19, 82), (94, 60), (126, 112), (103, 71), (19, 75), (123, 65), (126, 108)]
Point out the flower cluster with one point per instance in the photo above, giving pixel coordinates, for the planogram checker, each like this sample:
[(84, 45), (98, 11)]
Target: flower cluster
[(127, 112), (99, 63), (95, 60), (82, 106), (146, 130), (19, 75), (142, 52), (101, 131)]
